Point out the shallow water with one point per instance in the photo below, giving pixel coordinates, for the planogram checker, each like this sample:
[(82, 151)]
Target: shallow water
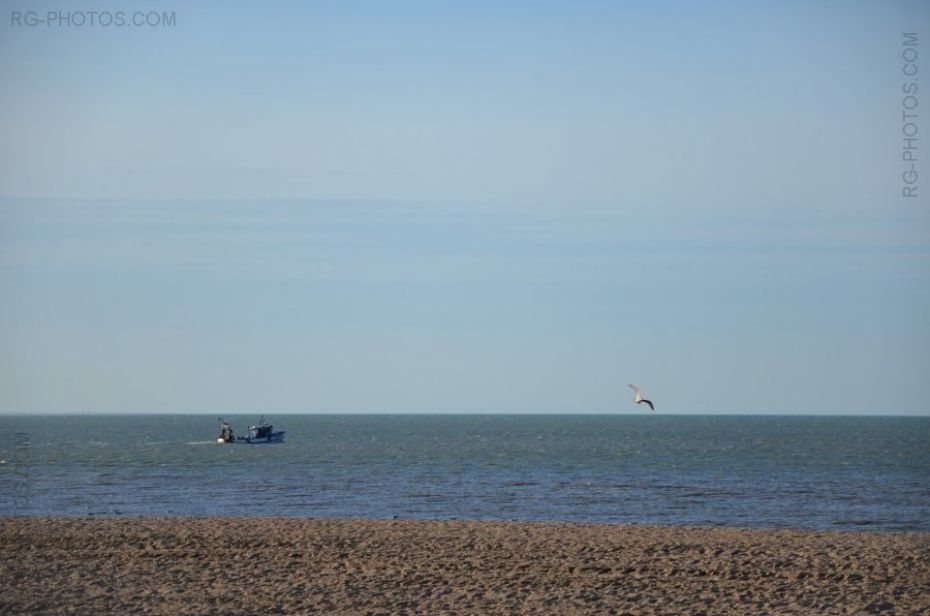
[(864, 473)]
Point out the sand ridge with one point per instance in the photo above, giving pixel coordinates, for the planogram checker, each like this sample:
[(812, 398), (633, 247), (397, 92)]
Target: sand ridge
[(320, 566)]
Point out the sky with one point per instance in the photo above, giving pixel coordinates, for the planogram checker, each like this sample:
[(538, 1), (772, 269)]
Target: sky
[(463, 207)]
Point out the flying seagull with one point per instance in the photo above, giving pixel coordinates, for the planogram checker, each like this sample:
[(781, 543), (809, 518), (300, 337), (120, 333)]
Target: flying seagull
[(638, 397)]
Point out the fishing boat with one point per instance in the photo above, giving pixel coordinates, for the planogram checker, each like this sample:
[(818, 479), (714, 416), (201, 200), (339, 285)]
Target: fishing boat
[(262, 432)]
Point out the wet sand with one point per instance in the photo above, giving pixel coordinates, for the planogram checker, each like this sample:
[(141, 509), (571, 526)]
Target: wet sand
[(297, 566)]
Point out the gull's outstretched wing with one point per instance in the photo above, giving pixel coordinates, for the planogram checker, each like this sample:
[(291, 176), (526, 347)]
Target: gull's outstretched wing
[(637, 394)]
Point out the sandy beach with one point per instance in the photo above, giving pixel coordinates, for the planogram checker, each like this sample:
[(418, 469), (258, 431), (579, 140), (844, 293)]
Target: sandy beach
[(304, 566)]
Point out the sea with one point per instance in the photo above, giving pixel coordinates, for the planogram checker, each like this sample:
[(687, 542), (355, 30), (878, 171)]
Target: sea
[(834, 473)]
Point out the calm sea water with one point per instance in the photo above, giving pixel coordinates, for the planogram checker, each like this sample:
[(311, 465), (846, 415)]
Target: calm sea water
[(797, 472)]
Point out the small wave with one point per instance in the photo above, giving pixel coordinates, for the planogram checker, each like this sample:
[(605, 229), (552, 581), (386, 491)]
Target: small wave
[(855, 522), (201, 442)]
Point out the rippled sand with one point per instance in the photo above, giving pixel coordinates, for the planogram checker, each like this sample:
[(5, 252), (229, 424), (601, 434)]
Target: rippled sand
[(294, 566)]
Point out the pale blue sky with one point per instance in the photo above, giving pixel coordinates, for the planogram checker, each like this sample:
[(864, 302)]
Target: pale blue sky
[(461, 207)]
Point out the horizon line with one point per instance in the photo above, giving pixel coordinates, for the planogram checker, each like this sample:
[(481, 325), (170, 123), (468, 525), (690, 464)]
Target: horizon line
[(634, 413)]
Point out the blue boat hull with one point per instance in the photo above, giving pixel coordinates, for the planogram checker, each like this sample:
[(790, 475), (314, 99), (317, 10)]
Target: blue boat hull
[(274, 437)]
